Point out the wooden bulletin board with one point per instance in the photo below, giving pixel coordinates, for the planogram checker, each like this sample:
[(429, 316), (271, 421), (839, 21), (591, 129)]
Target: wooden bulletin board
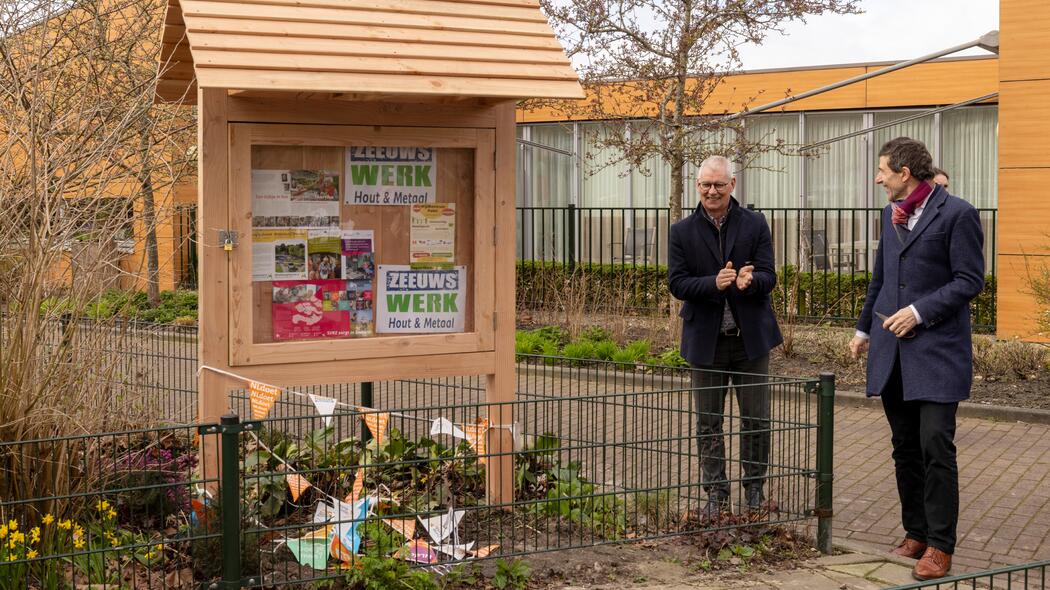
[(464, 176)]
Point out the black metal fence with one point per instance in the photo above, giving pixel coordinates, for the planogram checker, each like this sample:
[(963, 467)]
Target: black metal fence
[(583, 456), (615, 259)]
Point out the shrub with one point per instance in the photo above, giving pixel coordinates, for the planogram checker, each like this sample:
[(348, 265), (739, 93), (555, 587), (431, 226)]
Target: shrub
[(635, 352), (1007, 358), (826, 295), (579, 350), (605, 350)]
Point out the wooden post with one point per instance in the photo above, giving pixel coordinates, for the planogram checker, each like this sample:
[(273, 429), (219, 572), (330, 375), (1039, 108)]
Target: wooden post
[(213, 284), (500, 386)]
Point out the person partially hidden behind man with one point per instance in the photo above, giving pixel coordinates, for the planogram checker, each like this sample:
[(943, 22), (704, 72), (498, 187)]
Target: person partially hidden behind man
[(916, 317), (721, 267)]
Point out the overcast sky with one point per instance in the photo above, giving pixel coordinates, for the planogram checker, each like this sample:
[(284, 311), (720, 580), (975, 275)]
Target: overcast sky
[(889, 30)]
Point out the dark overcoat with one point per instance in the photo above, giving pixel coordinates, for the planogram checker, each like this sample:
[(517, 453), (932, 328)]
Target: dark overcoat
[(694, 259), (938, 267)]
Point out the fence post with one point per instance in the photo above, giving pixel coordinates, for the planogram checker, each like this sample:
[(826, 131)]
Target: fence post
[(366, 402), (570, 237), (230, 501), (825, 460)]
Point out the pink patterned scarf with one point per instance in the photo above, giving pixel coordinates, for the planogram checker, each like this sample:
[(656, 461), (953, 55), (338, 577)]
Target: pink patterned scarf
[(902, 210)]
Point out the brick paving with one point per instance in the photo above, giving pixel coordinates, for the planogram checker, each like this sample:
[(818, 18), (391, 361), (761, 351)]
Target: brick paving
[(1004, 480)]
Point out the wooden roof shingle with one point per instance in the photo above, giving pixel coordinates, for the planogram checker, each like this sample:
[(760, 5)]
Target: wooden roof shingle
[(460, 48)]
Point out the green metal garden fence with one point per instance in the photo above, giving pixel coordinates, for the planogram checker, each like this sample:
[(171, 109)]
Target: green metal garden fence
[(594, 454), (1028, 576)]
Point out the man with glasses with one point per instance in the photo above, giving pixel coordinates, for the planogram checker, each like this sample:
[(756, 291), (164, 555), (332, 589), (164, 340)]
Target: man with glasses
[(929, 265), (720, 266)]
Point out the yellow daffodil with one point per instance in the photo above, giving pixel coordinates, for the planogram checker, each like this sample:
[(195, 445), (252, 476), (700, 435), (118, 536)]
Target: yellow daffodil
[(12, 557), (31, 554), (149, 555), (3, 531), (78, 543), (159, 547), (65, 524), (48, 519), (11, 544), (18, 537), (112, 513), (78, 531), (13, 525), (113, 542), (34, 534), (102, 505)]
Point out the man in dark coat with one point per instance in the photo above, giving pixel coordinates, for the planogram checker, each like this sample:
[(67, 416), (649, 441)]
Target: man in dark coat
[(929, 265), (720, 265)]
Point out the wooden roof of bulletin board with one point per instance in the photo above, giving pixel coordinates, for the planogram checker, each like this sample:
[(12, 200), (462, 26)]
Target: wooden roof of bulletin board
[(375, 48)]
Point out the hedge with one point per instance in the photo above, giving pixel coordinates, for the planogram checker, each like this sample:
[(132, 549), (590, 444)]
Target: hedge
[(623, 287)]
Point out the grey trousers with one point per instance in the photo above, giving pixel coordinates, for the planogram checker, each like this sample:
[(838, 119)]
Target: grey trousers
[(711, 384)]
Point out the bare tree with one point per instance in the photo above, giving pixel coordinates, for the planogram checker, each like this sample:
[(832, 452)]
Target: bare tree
[(79, 142), (658, 62)]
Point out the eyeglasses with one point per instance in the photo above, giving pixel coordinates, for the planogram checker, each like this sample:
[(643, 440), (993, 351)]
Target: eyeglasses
[(715, 185)]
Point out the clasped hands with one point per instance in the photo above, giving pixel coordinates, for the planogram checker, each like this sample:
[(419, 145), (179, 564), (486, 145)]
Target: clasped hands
[(727, 276)]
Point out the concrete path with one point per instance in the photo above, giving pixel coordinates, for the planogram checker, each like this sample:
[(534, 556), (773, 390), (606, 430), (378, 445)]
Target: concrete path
[(1004, 479)]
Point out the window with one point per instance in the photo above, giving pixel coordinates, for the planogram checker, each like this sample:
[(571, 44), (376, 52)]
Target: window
[(836, 173), (772, 178), (970, 154)]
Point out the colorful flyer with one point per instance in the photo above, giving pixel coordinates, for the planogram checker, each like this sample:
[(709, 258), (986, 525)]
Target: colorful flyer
[(324, 254), (358, 254), (309, 309), (279, 254), (433, 240), (295, 198), (413, 301), (360, 306), (391, 175)]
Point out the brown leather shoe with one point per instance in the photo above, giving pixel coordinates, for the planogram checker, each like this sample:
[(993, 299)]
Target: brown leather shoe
[(934, 564), (910, 548)]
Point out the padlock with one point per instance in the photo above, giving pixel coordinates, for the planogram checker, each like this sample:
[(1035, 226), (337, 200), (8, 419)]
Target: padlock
[(228, 246)]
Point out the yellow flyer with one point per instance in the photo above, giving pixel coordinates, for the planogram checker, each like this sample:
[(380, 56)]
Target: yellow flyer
[(433, 235)]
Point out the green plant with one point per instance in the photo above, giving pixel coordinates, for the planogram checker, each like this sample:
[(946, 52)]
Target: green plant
[(384, 573), (604, 350), (514, 575), (579, 350), (634, 352), (462, 574), (572, 497), (595, 334), (669, 358), (378, 539), (656, 508)]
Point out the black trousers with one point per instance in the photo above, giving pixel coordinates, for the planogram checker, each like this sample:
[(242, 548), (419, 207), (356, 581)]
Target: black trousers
[(923, 436), (752, 397)]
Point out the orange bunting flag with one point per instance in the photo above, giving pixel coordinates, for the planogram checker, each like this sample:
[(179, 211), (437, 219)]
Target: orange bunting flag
[(485, 551), (376, 422), (297, 484), (359, 486), (407, 528), (262, 397), (476, 435), (337, 550)]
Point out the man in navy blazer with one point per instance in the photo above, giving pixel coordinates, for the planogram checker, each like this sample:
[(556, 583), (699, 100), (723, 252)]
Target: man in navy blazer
[(916, 318), (720, 265)]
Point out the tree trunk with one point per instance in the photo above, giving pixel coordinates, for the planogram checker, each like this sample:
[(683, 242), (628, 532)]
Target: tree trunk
[(149, 219), (149, 216)]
